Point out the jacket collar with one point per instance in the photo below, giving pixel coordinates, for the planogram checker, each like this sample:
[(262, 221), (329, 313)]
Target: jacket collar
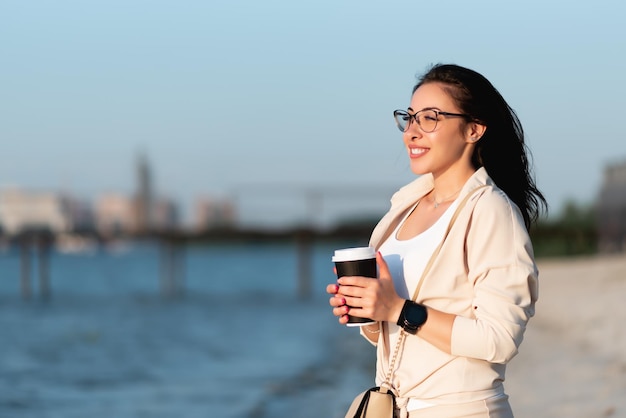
[(408, 195)]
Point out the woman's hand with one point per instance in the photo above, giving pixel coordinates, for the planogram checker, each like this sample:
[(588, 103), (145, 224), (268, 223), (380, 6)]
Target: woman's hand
[(366, 297)]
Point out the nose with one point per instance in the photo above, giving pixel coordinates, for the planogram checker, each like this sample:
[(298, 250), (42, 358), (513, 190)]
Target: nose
[(413, 131)]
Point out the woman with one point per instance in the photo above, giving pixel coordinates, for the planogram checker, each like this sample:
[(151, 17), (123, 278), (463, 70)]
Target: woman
[(480, 288)]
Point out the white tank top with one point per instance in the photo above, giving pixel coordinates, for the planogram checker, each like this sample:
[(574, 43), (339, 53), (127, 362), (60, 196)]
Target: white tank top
[(407, 259)]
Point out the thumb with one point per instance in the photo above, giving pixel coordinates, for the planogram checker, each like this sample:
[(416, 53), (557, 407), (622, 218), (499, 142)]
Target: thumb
[(383, 269)]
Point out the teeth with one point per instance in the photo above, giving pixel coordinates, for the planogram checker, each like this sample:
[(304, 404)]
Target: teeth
[(416, 151)]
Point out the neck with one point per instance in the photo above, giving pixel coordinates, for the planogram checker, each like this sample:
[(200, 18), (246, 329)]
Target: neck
[(437, 199), (447, 186)]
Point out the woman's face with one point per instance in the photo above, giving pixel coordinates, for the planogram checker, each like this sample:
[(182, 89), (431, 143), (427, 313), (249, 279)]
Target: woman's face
[(449, 146)]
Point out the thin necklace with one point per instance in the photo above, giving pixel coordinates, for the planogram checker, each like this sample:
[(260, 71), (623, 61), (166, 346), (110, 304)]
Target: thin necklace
[(445, 199)]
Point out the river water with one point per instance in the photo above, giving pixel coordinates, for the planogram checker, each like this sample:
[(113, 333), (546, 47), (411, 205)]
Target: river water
[(237, 343)]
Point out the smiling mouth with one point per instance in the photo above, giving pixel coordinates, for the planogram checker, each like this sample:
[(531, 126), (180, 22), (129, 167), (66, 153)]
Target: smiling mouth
[(417, 151)]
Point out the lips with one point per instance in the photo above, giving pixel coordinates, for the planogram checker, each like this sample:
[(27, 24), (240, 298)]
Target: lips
[(415, 152)]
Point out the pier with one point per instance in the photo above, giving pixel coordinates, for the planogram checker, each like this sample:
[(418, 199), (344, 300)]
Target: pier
[(358, 208), (35, 247), (173, 245)]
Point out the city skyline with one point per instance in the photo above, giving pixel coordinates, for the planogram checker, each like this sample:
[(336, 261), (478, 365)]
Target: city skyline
[(247, 204), (110, 213)]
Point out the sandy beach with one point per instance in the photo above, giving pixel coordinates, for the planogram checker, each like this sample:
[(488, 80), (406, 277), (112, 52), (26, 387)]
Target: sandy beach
[(572, 362)]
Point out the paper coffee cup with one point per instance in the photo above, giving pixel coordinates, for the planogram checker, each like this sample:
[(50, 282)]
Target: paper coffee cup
[(358, 261)]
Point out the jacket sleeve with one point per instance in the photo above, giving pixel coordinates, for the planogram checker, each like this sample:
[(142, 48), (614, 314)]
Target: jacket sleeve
[(504, 278)]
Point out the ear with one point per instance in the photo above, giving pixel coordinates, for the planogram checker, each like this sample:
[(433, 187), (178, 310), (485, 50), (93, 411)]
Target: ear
[(475, 131)]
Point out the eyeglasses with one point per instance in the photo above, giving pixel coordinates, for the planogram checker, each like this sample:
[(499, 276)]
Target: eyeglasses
[(426, 119)]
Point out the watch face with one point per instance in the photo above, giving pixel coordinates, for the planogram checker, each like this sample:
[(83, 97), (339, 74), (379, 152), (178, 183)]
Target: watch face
[(415, 315)]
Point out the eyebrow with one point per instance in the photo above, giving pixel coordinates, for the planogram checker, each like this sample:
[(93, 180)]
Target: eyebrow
[(425, 108)]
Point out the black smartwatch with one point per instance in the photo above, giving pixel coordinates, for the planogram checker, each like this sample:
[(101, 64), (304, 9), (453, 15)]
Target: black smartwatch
[(412, 317)]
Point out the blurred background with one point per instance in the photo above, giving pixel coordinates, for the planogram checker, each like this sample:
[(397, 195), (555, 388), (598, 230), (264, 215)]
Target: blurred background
[(175, 176)]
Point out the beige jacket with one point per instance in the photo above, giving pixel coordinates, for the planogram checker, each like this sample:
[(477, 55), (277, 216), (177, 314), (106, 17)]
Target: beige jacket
[(486, 275)]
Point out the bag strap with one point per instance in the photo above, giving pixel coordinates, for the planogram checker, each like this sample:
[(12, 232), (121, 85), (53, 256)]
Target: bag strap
[(445, 235), (403, 333)]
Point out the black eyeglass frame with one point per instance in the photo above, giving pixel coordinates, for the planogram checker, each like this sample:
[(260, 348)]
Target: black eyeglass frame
[(414, 117)]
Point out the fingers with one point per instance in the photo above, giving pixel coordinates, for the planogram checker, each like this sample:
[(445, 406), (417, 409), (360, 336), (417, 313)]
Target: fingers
[(348, 291), (341, 311), (337, 301), (332, 289), (356, 281)]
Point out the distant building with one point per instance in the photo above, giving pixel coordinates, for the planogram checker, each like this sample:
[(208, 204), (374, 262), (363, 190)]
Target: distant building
[(115, 214), (22, 210), (80, 213), (144, 196), (611, 209), (211, 213), (164, 214)]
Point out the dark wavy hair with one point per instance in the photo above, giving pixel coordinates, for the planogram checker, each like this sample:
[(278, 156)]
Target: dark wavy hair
[(501, 149)]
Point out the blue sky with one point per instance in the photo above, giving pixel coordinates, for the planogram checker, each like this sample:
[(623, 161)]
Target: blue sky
[(248, 95)]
